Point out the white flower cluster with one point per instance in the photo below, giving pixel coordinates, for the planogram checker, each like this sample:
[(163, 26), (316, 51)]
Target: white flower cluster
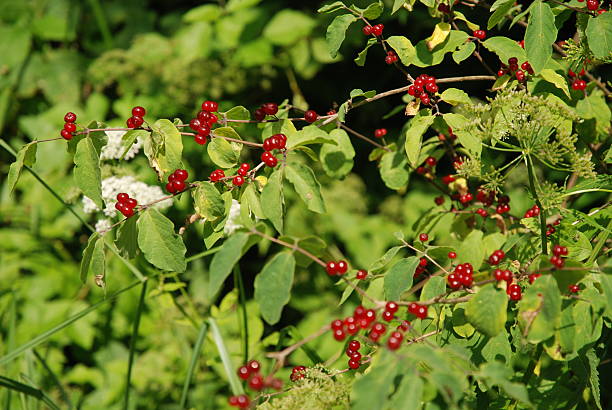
[(140, 191), (231, 224), (114, 150), (103, 225)]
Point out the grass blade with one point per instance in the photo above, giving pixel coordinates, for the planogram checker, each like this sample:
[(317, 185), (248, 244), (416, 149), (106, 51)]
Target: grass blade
[(192, 364), (245, 323), (54, 378), (141, 303), (227, 361), (44, 336), (28, 391)]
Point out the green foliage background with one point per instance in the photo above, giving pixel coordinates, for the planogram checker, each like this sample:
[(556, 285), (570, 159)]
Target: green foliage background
[(100, 58)]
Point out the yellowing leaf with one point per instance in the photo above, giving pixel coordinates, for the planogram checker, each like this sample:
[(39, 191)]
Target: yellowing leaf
[(440, 33)]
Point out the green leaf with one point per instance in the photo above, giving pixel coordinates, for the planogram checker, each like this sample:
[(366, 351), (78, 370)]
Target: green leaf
[(399, 277), (98, 259), (288, 26), (556, 79), (251, 197), (393, 169), (403, 48), (540, 35), (505, 48), (25, 156), (464, 51), (540, 309), (384, 260), (224, 260), (27, 390), (223, 153), (599, 35), (205, 13), (471, 249), (414, 137), (225, 358), (358, 92), (496, 374), (238, 113), (272, 200), (370, 390), (127, 237), (159, 243), (361, 57), (373, 11), (486, 310), (87, 255), (330, 8), (455, 96), (87, 173), (426, 58), (336, 32), (168, 157), (337, 160), (397, 4), (273, 286), (500, 9), (306, 185), (310, 134), (129, 138), (207, 201), (409, 393)]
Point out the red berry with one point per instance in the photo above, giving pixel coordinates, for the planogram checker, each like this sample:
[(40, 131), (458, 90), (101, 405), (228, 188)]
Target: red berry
[(131, 203), (393, 343), (361, 274), (421, 312), (423, 262), (520, 76), (66, 135), (337, 324), (359, 312), (256, 382), (233, 401), (425, 99), (391, 307), (282, 140), (480, 34), (592, 5), (244, 372), (204, 130), (354, 345), (513, 60), (297, 373), (339, 335), (122, 197), (498, 274), (377, 30), (331, 268), (259, 114), (423, 237), (138, 111), (194, 124), (268, 144), (204, 116), (70, 117), (353, 364), (389, 59), (200, 139), (178, 186), (367, 30), (170, 188), (500, 73), (387, 316), (574, 288), (379, 133), (439, 200), (238, 180), (181, 175), (127, 212), (533, 277), (453, 281), (431, 87), (70, 127), (310, 116), (243, 401), (452, 255), (210, 106), (431, 161), (341, 267), (270, 108)]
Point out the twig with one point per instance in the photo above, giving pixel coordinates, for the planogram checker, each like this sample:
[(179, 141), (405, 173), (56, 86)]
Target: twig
[(282, 355), (290, 246), (363, 137)]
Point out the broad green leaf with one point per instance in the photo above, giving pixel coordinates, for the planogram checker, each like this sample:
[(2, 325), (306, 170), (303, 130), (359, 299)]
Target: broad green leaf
[(498, 349), (403, 48), (224, 260), (457, 15), (440, 33), (599, 35), (306, 185), (435, 286), (206, 12), (455, 121), (385, 259), (397, 4), (273, 286), (373, 11), (159, 243), (414, 137), (358, 92), (98, 260), (238, 113), (252, 199), (540, 309), (409, 393), (469, 141), (486, 310), (556, 79), (455, 96), (461, 325), (288, 26), (370, 390), (399, 277), (168, 157), (272, 200), (426, 58), (336, 32), (87, 175), (464, 51), (540, 34), (594, 106), (337, 160), (471, 250), (25, 156), (505, 48), (393, 169), (127, 237), (329, 8), (361, 57), (87, 255), (224, 153), (500, 9), (310, 134), (496, 374), (129, 138), (207, 201)]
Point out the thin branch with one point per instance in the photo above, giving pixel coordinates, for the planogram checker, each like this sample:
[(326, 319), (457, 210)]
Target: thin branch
[(363, 137), (290, 246), (281, 356)]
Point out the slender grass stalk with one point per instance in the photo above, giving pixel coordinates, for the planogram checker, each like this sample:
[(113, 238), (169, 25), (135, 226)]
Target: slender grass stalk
[(203, 254), (192, 364), (141, 303), (28, 390), (245, 323), (225, 358), (54, 378)]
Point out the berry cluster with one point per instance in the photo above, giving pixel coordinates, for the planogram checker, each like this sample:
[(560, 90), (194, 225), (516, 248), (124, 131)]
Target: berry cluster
[(503, 204), (242, 172), (482, 212), (137, 118), (125, 204), (532, 212), (577, 82), (380, 132), (352, 351), (512, 289), (362, 319), (421, 268), (480, 34), (204, 121), (423, 85), (336, 268), (558, 253), (389, 313), (176, 181), (276, 141), (217, 175), (251, 373), (463, 275), (496, 257), (391, 57), (419, 311), (430, 162), (297, 373), (513, 67), (375, 30), (69, 126), (310, 116), (242, 401), (265, 109)]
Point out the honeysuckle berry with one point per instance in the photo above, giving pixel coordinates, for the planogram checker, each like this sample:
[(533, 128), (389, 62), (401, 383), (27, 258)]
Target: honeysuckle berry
[(498, 274), (337, 324), (253, 366), (131, 203), (452, 255), (393, 343), (560, 250), (138, 111), (204, 130), (579, 85), (210, 106), (359, 312), (256, 382), (443, 8), (533, 277), (466, 198), (592, 5), (370, 315), (500, 72), (65, 134), (527, 67), (574, 288), (601, 11), (361, 274), (423, 262), (311, 116), (367, 30), (557, 261), (70, 127), (200, 139), (270, 108), (502, 209), (243, 401), (297, 373), (425, 99), (243, 372), (355, 356), (431, 161), (380, 132), (238, 180), (354, 345), (390, 58), (522, 42), (281, 141), (480, 34), (514, 291), (520, 75), (453, 281), (377, 29), (122, 197), (387, 316), (178, 186), (269, 159), (439, 200), (259, 114), (421, 312), (341, 267), (423, 237), (70, 117), (349, 352), (204, 116), (181, 174), (354, 364), (339, 335), (195, 124), (431, 87)]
